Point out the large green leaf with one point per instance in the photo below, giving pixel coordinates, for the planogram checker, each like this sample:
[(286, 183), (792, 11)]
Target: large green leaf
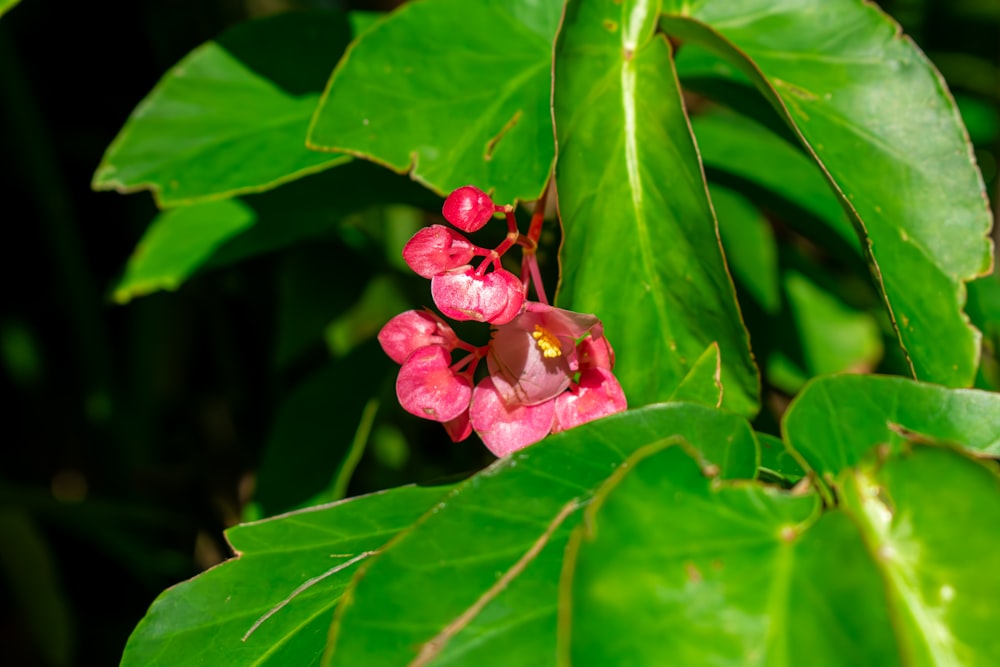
[(272, 604), (478, 575), (835, 420), (456, 92), (669, 568), (872, 111), (180, 242), (640, 246), (928, 516), (232, 116)]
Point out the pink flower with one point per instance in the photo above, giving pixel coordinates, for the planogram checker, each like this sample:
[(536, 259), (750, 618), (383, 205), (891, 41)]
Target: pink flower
[(437, 249), (469, 208), (549, 370), (428, 387), (464, 294), (413, 329)]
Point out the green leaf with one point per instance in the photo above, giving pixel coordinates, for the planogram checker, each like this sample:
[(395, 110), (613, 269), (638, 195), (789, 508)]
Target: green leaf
[(924, 515), (455, 92), (835, 420), (272, 604), (702, 383), (777, 462), (745, 156), (872, 111), (232, 116), (640, 247), (670, 567), (498, 536), (178, 242), (181, 241), (7, 5), (834, 337), (314, 429)]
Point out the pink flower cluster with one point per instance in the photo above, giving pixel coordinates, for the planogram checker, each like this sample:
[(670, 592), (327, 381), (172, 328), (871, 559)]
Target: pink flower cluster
[(548, 369)]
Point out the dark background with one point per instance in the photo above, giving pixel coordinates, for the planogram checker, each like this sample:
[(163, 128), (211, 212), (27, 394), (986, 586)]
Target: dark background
[(128, 432)]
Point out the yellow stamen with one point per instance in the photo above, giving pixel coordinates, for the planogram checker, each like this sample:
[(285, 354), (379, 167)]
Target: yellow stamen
[(547, 343)]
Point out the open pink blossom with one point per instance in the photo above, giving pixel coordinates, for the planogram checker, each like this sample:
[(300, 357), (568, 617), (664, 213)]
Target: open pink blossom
[(596, 395), (437, 249), (462, 294), (532, 358), (507, 428), (412, 330), (428, 387), (468, 208)]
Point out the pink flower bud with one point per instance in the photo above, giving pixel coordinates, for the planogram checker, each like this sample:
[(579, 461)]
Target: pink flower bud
[(468, 208), (437, 249), (597, 395), (427, 386), (495, 297), (505, 429), (412, 330)]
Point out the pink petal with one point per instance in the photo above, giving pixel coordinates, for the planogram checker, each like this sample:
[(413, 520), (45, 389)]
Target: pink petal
[(597, 395), (521, 372), (459, 428), (462, 295), (559, 321), (468, 208), (437, 249), (595, 352), (412, 330), (507, 429), (427, 387)]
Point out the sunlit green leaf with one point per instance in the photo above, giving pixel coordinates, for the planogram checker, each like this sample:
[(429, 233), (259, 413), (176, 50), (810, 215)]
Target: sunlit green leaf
[(751, 250), (232, 116), (497, 535), (835, 420), (702, 383), (876, 116), (924, 516), (272, 604), (640, 247), (177, 243), (453, 91), (7, 5), (671, 569)]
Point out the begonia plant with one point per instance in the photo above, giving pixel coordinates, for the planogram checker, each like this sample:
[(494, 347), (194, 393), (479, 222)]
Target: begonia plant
[(753, 421)]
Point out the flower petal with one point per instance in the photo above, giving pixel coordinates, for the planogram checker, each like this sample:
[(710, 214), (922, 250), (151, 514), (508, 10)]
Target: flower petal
[(507, 429), (597, 395), (495, 297), (521, 371), (437, 249), (427, 386), (412, 330)]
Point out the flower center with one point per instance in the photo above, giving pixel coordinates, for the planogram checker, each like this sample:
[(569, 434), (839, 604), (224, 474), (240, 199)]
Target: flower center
[(547, 343)]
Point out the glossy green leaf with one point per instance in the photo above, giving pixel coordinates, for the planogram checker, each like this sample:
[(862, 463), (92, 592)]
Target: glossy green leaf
[(177, 243), (640, 247), (497, 536), (314, 429), (777, 462), (835, 420), (670, 567), (926, 515), (872, 111), (452, 91), (272, 604), (702, 384), (232, 116), (181, 241)]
